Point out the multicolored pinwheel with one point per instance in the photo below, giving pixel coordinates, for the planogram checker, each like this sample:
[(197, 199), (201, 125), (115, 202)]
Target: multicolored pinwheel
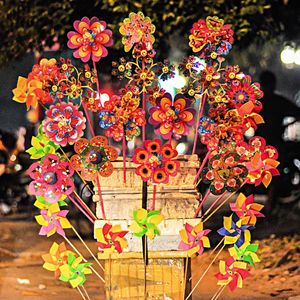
[(245, 253), (145, 223), (194, 239)]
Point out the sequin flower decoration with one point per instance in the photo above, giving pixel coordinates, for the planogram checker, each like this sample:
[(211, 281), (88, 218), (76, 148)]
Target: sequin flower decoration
[(246, 253), (57, 256), (135, 29), (224, 172), (235, 232), (246, 209), (110, 239), (90, 39), (232, 273), (172, 118), (75, 271), (145, 223), (51, 178), (194, 239), (156, 162), (93, 157), (64, 124)]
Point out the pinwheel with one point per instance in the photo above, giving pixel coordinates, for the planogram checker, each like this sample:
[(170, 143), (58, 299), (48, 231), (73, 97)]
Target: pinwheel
[(90, 39), (165, 70), (232, 273), (224, 172), (41, 146), (235, 232), (51, 178), (145, 223), (172, 118), (245, 253), (57, 256), (64, 124), (74, 271), (41, 203), (246, 209), (156, 162), (135, 29), (53, 220), (110, 239), (194, 239), (93, 157)]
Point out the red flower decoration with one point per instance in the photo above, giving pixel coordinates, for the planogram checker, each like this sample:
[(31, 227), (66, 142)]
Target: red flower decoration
[(156, 162), (172, 118), (90, 39)]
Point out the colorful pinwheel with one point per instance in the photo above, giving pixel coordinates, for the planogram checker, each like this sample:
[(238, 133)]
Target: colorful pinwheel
[(235, 232), (145, 223), (110, 239), (51, 178), (232, 273), (74, 271), (93, 157), (194, 239), (57, 256), (172, 118), (64, 124), (53, 220), (245, 253), (90, 39), (156, 162), (246, 209)]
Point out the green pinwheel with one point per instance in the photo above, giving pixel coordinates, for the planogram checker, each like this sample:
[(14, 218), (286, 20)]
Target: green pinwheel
[(41, 146), (145, 223), (245, 253), (74, 271)]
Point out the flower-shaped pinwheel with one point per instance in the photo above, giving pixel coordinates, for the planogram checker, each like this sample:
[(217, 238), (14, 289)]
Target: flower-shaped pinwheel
[(165, 70), (122, 116), (156, 162), (194, 239), (74, 271), (57, 256), (90, 39), (172, 118), (145, 223), (135, 29), (246, 209), (110, 239), (41, 203), (93, 157), (224, 172), (41, 146), (51, 178), (211, 36), (53, 220), (235, 232), (232, 273), (245, 253), (64, 124)]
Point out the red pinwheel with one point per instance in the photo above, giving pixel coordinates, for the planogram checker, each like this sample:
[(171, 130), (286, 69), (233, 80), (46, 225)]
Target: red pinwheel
[(232, 273), (172, 118), (51, 178), (90, 39)]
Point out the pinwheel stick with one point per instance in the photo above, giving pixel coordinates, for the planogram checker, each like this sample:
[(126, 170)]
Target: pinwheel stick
[(83, 204), (100, 197), (81, 294), (144, 109), (97, 78), (202, 203), (218, 292), (86, 293), (202, 166), (81, 209), (200, 112), (124, 155)]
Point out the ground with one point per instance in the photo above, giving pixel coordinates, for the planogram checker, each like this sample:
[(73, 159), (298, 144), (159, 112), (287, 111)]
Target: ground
[(22, 275)]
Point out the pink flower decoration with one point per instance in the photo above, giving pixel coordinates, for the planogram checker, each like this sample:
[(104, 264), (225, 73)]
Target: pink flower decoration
[(90, 39), (64, 124), (51, 178)]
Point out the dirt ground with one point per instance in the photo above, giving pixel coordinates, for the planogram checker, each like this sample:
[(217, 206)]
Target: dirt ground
[(22, 275)]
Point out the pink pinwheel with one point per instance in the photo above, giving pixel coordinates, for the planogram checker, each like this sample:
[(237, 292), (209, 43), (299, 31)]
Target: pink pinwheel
[(232, 273), (52, 221), (90, 39), (51, 178), (194, 239), (246, 209)]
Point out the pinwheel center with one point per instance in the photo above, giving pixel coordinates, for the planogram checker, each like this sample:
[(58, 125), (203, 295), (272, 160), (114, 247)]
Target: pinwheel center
[(231, 75), (77, 273), (144, 53), (154, 159), (95, 157), (165, 69), (189, 66), (191, 92), (64, 67), (209, 77), (89, 38), (214, 55), (54, 88), (50, 177), (224, 174), (63, 123), (121, 68), (143, 76), (91, 100)]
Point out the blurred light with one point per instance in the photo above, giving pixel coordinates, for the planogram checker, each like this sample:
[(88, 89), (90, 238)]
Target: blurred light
[(103, 98), (181, 148), (297, 57), (201, 66), (249, 133), (287, 55), (130, 145)]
